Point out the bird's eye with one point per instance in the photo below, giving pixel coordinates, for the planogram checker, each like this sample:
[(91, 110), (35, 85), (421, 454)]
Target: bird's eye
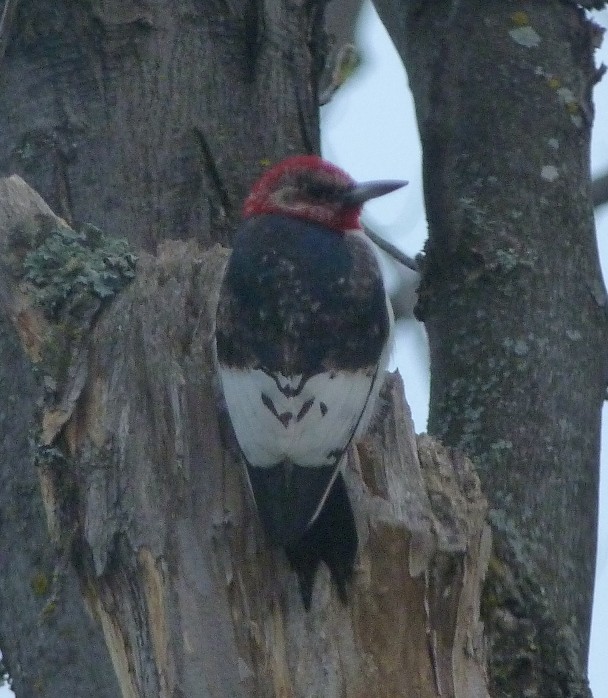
[(317, 191), (322, 191)]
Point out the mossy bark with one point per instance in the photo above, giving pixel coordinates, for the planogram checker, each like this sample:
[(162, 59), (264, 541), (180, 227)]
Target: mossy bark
[(512, 295)]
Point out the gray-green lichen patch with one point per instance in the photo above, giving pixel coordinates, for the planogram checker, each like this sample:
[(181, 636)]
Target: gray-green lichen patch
[(71, 270), (549, 173), (574, 335), (501, 445), (525, 36)]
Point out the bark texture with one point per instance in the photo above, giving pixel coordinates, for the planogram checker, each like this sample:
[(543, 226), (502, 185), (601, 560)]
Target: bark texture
[(513, 301), (51, 644), (151, 119), (148, 119), (139, 480)]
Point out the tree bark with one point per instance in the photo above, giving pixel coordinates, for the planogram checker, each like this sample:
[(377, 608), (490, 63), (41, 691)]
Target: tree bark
[(514, 304), (140, 479), (39, 592), (149, 120), (51, 645)]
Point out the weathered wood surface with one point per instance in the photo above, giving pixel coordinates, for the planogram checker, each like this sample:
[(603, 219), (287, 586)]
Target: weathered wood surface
[(140, 479)]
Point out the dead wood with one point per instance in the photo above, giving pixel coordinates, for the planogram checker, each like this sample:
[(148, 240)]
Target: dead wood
[(143, 487)]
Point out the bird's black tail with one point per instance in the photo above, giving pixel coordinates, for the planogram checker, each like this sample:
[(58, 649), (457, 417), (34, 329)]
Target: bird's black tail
[(332, 539)]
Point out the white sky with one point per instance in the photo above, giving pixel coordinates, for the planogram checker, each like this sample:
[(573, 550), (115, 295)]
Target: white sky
[(369, 129)]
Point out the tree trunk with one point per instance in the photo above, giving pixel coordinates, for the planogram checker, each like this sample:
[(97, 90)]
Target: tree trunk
[(141, 482), (150, 120), (514, 305)]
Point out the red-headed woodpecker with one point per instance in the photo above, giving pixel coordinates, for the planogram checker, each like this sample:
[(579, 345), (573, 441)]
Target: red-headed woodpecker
[(303, 337)]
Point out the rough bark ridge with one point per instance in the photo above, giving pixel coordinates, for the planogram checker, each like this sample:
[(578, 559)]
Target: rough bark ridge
[(140, 489), (512, 295), (150, 119)]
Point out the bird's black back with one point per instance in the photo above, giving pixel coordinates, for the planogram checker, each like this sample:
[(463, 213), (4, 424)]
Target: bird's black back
[(299, 298)]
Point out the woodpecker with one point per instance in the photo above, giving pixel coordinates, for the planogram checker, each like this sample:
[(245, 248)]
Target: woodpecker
[(303, 336)]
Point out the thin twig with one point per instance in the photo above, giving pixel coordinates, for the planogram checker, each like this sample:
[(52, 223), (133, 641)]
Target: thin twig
[(393, 251)]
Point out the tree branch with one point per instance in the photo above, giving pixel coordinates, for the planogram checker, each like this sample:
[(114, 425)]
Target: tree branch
[(391, 250)]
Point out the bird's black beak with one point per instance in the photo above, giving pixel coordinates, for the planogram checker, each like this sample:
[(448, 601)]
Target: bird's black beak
[(364, 191)]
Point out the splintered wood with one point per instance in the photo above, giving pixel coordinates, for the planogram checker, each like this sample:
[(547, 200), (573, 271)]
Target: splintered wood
[(146, 483)]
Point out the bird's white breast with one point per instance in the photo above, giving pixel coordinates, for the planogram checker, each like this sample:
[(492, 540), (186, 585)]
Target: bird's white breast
[(309, 422)]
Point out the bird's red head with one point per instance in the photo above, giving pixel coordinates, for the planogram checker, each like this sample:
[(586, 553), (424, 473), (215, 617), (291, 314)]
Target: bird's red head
[(308, 187)]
